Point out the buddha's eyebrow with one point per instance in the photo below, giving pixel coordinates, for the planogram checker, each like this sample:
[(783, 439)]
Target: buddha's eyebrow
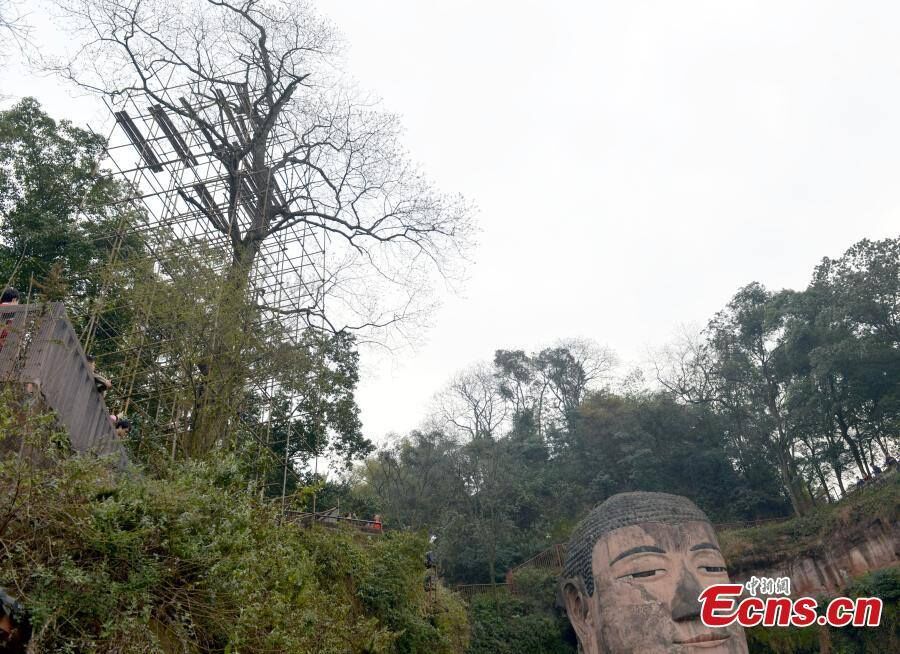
[(704, 546), (638, 550)]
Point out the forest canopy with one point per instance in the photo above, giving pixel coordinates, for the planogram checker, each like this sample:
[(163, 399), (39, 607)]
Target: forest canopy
[(781, 402)]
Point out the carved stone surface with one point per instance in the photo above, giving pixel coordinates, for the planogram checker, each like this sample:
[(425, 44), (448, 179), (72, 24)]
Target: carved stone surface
[(842, 559), (634, 571)]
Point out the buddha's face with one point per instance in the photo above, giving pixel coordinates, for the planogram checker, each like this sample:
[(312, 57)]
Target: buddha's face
[(647, 580)]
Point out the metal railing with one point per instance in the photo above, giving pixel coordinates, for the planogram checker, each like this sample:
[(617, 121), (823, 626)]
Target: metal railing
[(40, 352), (329, 519), (468, 591), (746, 524), (551, 558)]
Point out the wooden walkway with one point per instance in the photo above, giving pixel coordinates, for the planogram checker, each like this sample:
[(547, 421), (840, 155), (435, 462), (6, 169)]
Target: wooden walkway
[(41, 355), (333, 520)]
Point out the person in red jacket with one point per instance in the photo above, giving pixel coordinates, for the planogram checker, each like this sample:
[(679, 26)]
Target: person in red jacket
[(10, 296), (15, 628)]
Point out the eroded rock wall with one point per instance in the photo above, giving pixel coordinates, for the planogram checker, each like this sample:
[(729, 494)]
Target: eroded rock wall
[(844, 558)]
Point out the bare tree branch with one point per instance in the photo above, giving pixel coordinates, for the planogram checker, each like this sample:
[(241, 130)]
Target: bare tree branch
[(258, 81)]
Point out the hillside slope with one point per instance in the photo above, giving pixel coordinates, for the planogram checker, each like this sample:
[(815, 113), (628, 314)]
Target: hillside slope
[(194, 561)]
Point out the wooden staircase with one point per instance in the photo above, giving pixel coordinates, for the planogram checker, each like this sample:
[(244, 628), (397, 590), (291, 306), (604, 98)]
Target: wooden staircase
[(40, 353)]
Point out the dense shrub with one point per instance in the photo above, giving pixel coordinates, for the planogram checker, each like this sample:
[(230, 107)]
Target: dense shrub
[(193, 562), (884, 638), (845, 640), (783, 640), (503, 624), (528, 621)]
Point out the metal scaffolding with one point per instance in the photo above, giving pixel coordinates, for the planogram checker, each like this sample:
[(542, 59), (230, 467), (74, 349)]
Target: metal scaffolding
[(183, 193)]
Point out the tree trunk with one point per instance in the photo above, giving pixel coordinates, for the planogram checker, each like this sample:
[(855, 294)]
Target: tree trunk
[(882, 446), (821, 475), (809, 490), (854, 450), (785, 460), (226, 373), (492, 565), (789, 480), (840, 478)]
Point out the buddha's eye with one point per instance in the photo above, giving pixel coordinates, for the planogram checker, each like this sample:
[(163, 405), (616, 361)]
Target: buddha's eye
[(643, 574), (713, 569)]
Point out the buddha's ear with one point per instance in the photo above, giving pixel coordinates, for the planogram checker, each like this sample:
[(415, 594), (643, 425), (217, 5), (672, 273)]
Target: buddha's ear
[(578, 608)]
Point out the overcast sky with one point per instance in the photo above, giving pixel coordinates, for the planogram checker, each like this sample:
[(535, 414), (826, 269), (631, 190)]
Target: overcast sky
[(634, 163)]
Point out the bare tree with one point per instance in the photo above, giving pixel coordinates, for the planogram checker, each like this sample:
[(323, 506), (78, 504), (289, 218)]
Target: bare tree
[(565, 372), (473, 404), (592, 365), (260, 81), (684, 367), (13, 28)]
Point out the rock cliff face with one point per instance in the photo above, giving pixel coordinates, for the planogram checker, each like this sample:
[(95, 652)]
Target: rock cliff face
[(837, 560)]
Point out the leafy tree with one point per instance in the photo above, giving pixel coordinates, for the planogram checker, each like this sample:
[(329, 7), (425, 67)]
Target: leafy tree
[(415, 480), (315, 159), (751, 370), (764, 412), (61, 216), (550, 384), (650, 442), (864, 284), (314, 411), (859, 295)]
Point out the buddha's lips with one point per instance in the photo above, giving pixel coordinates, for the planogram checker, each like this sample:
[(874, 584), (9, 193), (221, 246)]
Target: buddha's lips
[(703, 638)]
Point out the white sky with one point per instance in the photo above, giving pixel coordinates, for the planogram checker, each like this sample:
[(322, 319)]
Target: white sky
[(634, 163)]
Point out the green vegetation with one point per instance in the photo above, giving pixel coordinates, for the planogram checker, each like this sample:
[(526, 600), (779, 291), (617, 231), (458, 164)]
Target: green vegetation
[(846, 640), (885, 638), (67, 232), (528, 621), (766, 545), (531, 619), (773, 409), (61, 215), (192, 561)]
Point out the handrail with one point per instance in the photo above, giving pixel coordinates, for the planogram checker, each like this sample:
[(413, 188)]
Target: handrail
[(552, 557), (468, 591), (325, 518)]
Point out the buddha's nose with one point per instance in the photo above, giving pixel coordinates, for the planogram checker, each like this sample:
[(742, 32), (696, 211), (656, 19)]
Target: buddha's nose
[(686, 603)]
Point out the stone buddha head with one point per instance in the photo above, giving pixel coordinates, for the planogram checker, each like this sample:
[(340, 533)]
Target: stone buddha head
[(635, 568)]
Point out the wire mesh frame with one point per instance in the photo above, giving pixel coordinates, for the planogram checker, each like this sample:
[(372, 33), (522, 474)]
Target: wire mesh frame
[(171, 168)]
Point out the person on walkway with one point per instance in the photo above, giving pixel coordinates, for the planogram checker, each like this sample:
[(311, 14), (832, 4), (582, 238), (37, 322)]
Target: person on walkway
[(102, 383), (15, 629), (376, 522), (10, 296), (123, 428)]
